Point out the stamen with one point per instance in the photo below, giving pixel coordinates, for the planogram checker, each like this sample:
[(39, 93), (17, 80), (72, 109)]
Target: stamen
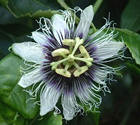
[(78, 43), (88, 61)]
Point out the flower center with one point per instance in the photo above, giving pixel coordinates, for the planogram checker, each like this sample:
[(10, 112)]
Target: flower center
[(73, 60)]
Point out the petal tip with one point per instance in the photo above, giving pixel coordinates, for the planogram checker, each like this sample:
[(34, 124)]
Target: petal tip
[(35, 33), (22, 85), (68, 118), (89, 10), (44, 111), (16, 48), (90, 7)]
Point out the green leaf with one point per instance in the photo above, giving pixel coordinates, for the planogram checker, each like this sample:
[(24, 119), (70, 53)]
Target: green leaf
[(89, 118), (93, 118), (6, 17), (50, 119), (12, 94), (31, 8), (5, 41), (7, 114), (4, 2), (134, 68), (132, 40), (10, 116), (2, 121), (130, 18)]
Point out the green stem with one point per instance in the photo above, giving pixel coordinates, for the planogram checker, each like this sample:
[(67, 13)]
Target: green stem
[(97, 5), (93, 27), (63, 4)]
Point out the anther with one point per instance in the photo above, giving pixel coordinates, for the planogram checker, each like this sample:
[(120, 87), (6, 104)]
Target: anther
[(63, 72), (84, 51), (80, 71), (68, 42), (60, 52), (79, 41)]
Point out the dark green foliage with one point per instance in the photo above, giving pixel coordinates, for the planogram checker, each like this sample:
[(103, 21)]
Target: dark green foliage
[(130, 17)]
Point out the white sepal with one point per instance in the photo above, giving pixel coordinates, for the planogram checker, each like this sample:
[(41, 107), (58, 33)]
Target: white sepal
[(39, 37), (29, 51), (30, 78), (48, 99), (59, 26), (70, 106), (85, 22)]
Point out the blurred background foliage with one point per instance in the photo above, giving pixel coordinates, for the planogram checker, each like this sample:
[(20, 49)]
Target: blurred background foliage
[(17, 20)]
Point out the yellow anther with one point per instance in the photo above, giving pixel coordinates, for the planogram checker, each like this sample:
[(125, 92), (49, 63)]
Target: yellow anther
[(84, 51), (68, 42), (80, 71), (63, 72), (90, 59), (60, 52), (53, 66), (89, 64), (79, 41)]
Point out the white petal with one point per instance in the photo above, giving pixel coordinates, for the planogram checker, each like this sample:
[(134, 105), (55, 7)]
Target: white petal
[(39, 37), (59, 27), (108, 50), (86, 94), (70, 106), (30, 78), (101, 75), (48, 99), (29, 51), (85, 22)]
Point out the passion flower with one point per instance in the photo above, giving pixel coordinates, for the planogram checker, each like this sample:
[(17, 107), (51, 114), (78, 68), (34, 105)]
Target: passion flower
[(66, 62)]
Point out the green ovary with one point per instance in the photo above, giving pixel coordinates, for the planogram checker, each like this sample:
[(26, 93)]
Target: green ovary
[(72, 61)]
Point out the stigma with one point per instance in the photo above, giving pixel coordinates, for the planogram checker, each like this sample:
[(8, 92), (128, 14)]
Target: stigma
[(73, 60)]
